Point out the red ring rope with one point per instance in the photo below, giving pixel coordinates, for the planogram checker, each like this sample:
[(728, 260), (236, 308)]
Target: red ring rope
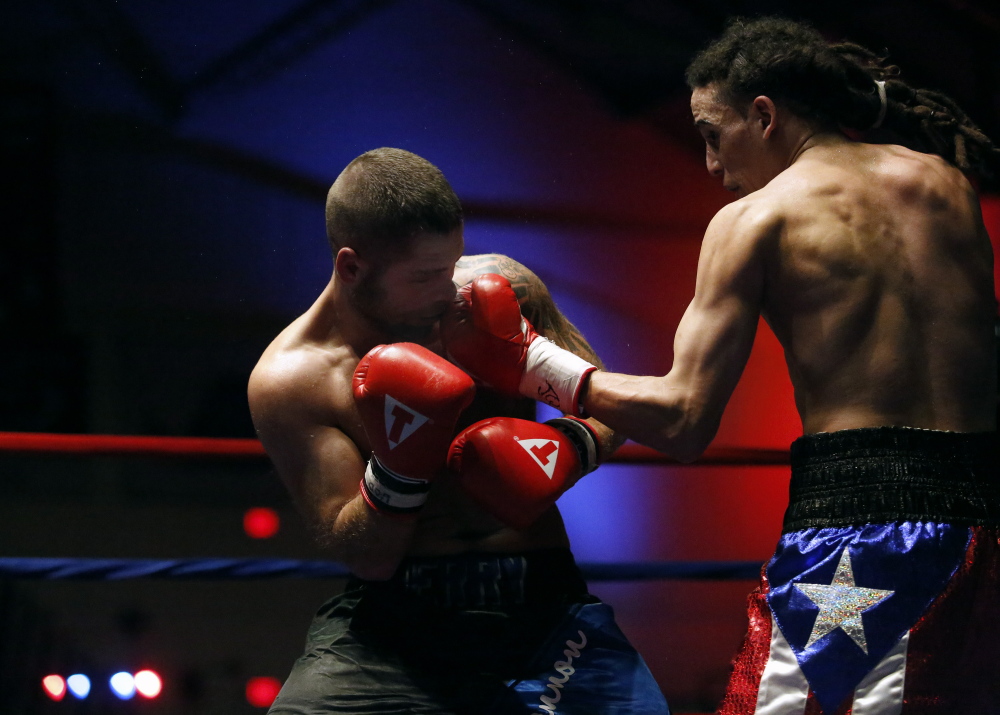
[(120, 445)]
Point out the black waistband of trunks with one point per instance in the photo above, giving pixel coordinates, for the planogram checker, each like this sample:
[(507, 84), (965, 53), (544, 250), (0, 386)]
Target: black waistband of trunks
[(884, 474), (484, 580)]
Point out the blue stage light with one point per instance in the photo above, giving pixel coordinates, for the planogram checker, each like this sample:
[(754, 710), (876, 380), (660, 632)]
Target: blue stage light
[(79, 685), (123, 685)]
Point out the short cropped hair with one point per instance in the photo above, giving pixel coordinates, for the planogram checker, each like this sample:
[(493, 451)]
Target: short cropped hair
[(384, 198)]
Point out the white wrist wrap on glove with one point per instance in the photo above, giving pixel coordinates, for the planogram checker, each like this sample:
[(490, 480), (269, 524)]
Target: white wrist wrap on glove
[(554, 376), (392, 493)]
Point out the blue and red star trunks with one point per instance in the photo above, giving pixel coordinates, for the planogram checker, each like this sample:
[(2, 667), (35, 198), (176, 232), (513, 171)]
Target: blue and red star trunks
[(475, 634), (883, 596)]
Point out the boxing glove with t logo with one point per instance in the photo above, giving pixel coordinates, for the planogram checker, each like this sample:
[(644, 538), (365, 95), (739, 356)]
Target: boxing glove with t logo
[(516, 469), (484, 332), (410, 400)]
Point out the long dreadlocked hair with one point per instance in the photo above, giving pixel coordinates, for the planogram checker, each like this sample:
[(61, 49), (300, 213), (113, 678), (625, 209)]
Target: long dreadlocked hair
[(833, 85)]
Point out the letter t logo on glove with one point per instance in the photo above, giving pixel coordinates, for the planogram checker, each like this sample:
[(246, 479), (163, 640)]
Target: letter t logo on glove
[(400, 421), (545, 452)]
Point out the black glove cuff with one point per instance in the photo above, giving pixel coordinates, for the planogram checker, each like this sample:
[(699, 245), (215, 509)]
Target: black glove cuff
[(583, 438), (391, 493)]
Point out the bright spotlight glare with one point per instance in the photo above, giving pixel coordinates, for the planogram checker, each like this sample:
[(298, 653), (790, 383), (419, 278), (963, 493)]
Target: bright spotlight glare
[(148, 683), (54, 686), (79, 685), (123, 685)]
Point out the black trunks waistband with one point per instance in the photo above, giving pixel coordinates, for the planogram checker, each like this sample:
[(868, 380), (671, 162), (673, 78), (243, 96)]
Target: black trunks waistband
[(884, 474), (483, 580)]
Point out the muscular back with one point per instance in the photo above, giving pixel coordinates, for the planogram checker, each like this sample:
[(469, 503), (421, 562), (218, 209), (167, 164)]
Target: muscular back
[(878, 283)]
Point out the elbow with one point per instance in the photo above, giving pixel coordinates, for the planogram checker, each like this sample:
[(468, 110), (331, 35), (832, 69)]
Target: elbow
[(684, 448), (689, 442), (679, 446), (688, 453), (368, 564), (367, 557), (682, 422)]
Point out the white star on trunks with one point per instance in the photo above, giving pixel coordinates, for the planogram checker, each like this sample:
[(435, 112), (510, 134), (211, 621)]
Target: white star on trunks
[(841, 604)]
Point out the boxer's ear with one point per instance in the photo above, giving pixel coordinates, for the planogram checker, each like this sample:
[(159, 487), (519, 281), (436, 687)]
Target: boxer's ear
[(348, 265), (764, 115)]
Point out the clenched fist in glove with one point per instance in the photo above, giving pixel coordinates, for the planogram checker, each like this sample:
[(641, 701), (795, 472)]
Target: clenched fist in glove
[(484, 332), (410, 400), (516, 469)]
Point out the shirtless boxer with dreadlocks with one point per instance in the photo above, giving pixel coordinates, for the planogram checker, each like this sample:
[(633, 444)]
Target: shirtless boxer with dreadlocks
[(857, 237)]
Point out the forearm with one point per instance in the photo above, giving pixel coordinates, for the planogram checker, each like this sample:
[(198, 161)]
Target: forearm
[(409, 400), (651, 411), (369, 543)]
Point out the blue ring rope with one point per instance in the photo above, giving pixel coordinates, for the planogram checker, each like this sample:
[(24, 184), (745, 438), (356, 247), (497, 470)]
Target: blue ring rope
[(234, 569)]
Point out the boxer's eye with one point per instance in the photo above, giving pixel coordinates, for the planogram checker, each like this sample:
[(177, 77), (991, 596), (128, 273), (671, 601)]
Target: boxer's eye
[(428, 276)]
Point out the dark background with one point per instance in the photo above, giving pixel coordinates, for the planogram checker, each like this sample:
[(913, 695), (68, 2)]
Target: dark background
[(165, 166)]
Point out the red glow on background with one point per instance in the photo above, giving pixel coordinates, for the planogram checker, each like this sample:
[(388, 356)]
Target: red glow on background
[(54, 686), (991, 218), (261, 523), (261, 692), (148, 683)]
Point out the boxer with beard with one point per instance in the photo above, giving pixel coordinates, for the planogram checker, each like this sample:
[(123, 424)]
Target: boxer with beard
[(438, 494)]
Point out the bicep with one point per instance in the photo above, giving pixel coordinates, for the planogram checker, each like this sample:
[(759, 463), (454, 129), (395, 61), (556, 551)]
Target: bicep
[(323, 474), (711, 348), (319, 464), (716, 333)]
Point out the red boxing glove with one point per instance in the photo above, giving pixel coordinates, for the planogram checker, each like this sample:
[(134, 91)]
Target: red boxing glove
[(409, 400), (484, 332), (516, 469)]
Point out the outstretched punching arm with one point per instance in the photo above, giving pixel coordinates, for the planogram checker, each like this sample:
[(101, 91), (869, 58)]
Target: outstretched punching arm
[(537, 305), (679, 413)]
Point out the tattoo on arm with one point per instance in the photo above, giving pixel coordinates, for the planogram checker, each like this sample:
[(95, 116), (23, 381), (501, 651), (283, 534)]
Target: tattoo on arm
[(541, 311)]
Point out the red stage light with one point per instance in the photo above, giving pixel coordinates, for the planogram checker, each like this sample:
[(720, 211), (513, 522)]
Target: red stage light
[(54, 686), (148, 683), (261, 523), (261, 692)]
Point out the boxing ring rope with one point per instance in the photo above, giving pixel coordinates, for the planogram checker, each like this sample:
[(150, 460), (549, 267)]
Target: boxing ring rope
[(103, 445), (32, 443), (82, 569)]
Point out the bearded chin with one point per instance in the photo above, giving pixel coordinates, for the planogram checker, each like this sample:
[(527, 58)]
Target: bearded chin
[(369, 300), (402, 333)]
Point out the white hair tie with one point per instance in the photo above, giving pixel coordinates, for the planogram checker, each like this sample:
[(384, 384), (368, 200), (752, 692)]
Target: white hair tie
[(883, 103)]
